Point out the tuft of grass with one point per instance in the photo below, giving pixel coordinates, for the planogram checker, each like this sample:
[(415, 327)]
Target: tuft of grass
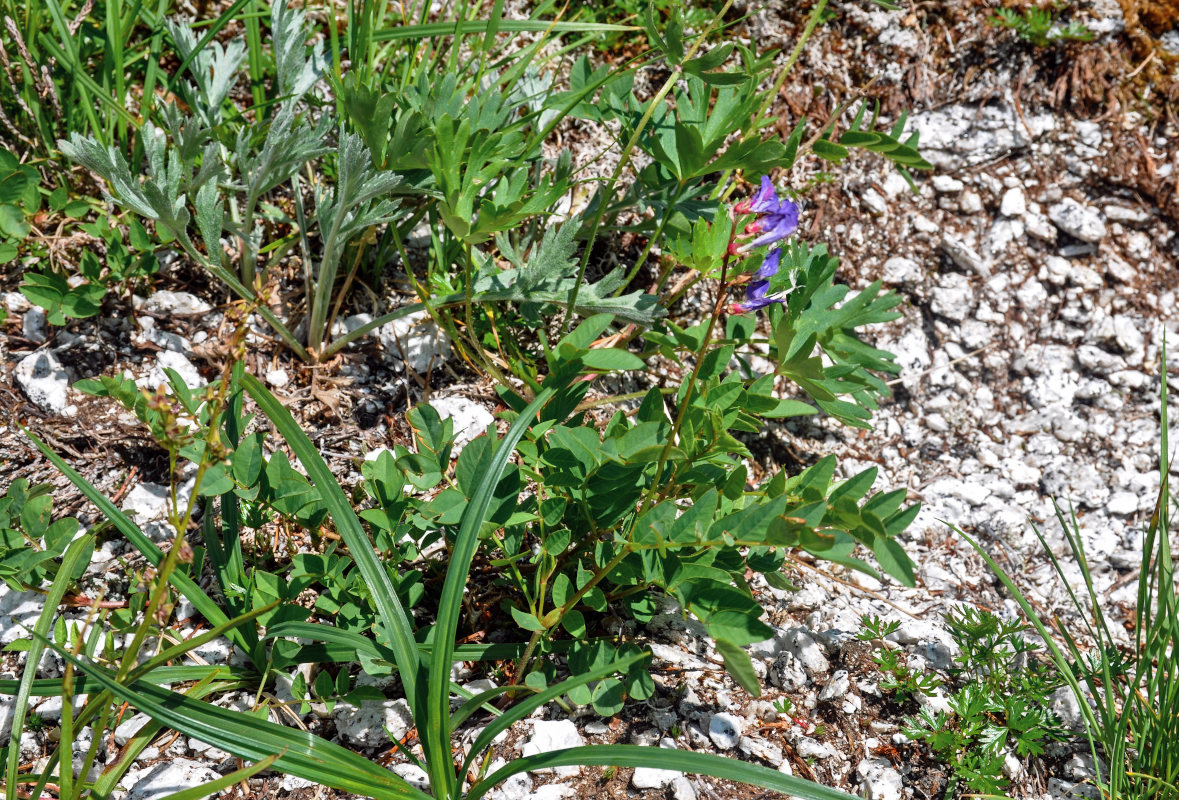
[(1129, 700)]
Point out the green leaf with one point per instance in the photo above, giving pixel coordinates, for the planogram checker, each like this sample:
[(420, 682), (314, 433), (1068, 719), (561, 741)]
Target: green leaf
[(606, 697), (574, 623), (215, 482), (83, 301), (622, 755), (12, 186), (740, 666), (612, 359), (789, 408), (12, 222), (894, 560), (247, 460), (829, 151), (137, 235), (527, 621)]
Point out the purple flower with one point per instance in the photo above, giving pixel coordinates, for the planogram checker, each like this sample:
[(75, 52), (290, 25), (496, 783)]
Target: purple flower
[(758, 288), (765, 200), (755, 298), (776, 218), (775, 225), (769, 264)]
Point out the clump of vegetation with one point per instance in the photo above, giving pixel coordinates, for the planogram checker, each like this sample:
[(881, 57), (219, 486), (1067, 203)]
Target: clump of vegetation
[(1128, 697), (291, 163), (997, 697), (1040, 26)]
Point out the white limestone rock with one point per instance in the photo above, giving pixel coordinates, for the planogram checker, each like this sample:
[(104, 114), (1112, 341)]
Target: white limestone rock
[(1079, 221), (44, 380), (415, 340), (364, 725), (165, 303), (550, 735), (725, 730), (168, 778), (879, 780), (470, 418)]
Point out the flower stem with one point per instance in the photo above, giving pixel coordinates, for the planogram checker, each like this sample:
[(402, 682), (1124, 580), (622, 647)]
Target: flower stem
[(691, 382)]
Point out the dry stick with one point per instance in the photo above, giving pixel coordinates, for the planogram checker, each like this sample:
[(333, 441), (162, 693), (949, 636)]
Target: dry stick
[(799, 562), (958, 360), (1142, 66), (1018, 107)]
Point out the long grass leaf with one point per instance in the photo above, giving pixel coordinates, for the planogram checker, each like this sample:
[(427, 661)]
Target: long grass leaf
[(393, 618), (356, 644), (433, 725), (80, 548), (245, 736), (51, 687), (432, 29), (630, 755)]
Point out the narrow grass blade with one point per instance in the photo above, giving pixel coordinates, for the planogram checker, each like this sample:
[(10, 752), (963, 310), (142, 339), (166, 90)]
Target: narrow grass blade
[(51, 687), (393, 617), (481, 26), (80, 548), (526, 707), (355, 644), (433, 725), (212, 787), (477, 701), (245, 736), (630, 755), (204, 604)]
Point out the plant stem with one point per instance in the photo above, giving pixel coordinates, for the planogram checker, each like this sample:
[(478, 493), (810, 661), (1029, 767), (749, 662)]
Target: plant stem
[(634, 271), (811, 23), (690, 384), (624, 160)]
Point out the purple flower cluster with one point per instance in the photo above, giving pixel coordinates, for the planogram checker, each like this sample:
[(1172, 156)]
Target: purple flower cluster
[(776, 219)]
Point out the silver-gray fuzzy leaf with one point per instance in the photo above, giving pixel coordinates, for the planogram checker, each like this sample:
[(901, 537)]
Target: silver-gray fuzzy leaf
[(298, 69)]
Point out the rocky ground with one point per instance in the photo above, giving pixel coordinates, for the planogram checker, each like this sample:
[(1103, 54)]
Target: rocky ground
[(1038, 265)]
